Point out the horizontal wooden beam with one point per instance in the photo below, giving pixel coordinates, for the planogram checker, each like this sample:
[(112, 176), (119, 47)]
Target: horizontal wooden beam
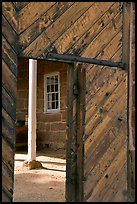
[(72, 58)]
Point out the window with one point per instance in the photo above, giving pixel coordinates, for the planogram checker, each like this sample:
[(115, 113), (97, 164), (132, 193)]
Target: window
[(51, 92)]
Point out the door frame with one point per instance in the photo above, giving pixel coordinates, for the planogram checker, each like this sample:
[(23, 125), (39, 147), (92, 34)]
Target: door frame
[(76, 108)]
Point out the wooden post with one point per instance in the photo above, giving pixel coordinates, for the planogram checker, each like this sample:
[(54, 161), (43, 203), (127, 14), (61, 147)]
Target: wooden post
[(75, 132), (81, 83), (32, 110), (132, 101), (71, 163)]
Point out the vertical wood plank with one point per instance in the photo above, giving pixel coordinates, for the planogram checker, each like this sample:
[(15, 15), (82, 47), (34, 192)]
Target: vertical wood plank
[(71, 138), (80, 130), (126, 31), (75, 133), (132, 100)]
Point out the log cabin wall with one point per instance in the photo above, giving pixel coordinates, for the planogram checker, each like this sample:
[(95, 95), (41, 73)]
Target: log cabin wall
[(87, 29), (9, 75)]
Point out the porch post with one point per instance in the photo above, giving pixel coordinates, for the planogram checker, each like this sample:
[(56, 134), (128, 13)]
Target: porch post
[(32, 110)]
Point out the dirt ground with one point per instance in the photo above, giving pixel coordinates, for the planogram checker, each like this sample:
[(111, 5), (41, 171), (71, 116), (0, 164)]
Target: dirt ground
[(40, 185)]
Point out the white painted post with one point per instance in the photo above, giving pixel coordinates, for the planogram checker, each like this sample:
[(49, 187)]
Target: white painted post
[(32, 110)]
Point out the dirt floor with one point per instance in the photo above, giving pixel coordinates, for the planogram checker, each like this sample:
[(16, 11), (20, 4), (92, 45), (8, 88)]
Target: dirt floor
[(40, 185)]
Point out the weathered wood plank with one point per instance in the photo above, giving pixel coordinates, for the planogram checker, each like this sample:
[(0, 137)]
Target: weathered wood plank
[(7, 102), (42, 23), (105, 108), (126, 33), (104, 123), (32, 11), (9, 34), (96, 85), (6, 197), (111, 99), (95, 29), (71, 138), (98, 74), (7, 155), (100, 41), (93, 157), (111, 173), (8, 80), (81, 26), (10, 13), (36, 47), (116, 56), (9, 56), (67, 19), (94, 176), (80, 130), (116, 186), (8, 128), (112, 79), (96, 151), (41, 43), (20, 5), (7, 181)]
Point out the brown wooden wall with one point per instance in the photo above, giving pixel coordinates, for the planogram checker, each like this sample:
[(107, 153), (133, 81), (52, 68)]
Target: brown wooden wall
[(88, 29), (105, 164), (9, 74)]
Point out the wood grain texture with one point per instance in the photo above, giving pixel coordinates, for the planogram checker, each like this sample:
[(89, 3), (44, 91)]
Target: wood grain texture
[(42, 23), (101, 20), (88, 29), (9, 74), (9, 34), (58, 27), (10, 13), (71, 140), (7, 102), (8, 80), (7, 181), (9, 56), (106, 116), (33, 11), (20, 5), (80, 27), (8, 132)]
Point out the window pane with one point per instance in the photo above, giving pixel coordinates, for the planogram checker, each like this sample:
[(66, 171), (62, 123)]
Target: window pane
[(56, 87), (56, 79), (53, 97), (57, 96), (49, 105), (52, 88), (52, 80), (49, 97), (53, 104), (57, 106), (48, 88), (48, 80), (52, 91)]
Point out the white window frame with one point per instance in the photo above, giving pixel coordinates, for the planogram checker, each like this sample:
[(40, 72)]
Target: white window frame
[(46, 110)]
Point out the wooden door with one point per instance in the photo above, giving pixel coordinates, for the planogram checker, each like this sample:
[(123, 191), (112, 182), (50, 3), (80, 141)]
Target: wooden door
[(75, 132), (105, 141)]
